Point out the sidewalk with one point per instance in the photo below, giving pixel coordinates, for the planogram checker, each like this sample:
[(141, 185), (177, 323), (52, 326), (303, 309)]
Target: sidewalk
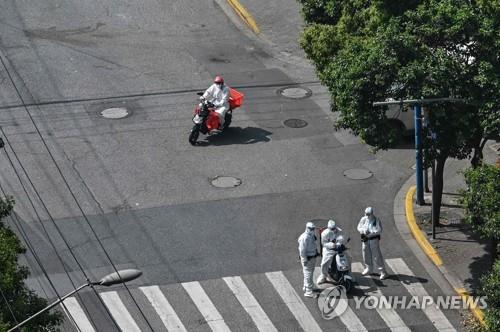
[(464, 254)]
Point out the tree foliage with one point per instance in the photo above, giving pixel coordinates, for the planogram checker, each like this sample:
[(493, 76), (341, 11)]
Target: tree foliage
[(370, 50), (490, 287), (22, 302), (366, 51), (482, 200)]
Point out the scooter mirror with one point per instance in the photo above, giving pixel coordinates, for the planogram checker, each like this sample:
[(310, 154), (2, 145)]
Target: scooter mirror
[(199, 93)]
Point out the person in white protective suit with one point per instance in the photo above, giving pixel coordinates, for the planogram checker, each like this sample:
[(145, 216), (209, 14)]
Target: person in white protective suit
[(370, 228), (308, 252), (218, 94), (328, 242)]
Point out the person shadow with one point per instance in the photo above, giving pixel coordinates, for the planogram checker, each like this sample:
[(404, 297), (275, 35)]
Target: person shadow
[(237, 135)]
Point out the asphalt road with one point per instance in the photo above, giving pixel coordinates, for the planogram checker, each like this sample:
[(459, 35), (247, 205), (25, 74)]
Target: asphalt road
[(145, 192)]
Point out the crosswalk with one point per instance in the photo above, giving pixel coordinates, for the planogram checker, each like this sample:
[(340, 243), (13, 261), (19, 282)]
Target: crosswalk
[(268, 302)]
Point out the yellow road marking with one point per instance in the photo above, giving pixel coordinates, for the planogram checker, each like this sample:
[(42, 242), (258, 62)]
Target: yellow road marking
[(477, 312), (417, 233), (432, 254), (244, 15)]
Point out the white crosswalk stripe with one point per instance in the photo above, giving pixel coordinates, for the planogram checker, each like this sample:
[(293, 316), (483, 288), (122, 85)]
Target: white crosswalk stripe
[(348, 318), (389, 315), (163, 308), (78, 315), (250, 304), (254, 303), (293, 301), (119, 312), (205, 306), (435, 315)]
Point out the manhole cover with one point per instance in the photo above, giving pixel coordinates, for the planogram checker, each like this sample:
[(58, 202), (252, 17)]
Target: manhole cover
[(225, 182), (115, 113), (295, 123), (358, 174), (295, 92)]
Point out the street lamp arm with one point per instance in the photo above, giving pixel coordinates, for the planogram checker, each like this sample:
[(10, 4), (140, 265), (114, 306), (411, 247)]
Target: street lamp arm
[(49, 306), (109, 280)]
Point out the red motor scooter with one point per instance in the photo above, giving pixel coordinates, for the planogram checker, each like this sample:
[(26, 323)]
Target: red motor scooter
[(206, 120)]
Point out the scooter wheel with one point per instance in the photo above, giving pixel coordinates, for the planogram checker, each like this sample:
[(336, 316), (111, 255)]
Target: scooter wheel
[(193, 136)]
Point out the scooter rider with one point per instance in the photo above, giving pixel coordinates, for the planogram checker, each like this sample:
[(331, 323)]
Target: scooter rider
[(328, 241), (218, 94)]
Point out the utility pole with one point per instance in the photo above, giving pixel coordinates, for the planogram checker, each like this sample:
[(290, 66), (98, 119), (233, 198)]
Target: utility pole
[(417, 112)]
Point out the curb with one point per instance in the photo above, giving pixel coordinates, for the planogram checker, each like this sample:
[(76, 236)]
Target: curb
[(244, 15), (434, 257), (417, 233)]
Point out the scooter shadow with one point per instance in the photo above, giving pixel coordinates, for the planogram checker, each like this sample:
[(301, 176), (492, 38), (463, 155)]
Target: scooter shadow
[(237, 135)]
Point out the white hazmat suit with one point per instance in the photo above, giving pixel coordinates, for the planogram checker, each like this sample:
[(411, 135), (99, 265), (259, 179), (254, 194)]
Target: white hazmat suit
[(370, 229), (308, 253), (218, 94), (328, 239)]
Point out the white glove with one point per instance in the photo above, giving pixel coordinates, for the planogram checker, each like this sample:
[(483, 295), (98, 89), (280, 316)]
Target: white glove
[(202, 98)]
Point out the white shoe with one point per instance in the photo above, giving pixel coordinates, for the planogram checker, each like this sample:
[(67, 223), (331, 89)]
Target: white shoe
[(309, 293), (321, 280), (383, 275), (365, 271)]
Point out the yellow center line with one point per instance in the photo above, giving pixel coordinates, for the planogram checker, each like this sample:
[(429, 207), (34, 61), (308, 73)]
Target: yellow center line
[(244, 15)]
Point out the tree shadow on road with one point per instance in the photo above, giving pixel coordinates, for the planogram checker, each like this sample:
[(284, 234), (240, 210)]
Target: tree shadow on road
[(237, 135)]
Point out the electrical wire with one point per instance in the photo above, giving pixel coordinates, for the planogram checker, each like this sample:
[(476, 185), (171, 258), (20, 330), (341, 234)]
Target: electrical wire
[(50, 218), (27, 241), (23, 233), (74, 198), (8, 306)]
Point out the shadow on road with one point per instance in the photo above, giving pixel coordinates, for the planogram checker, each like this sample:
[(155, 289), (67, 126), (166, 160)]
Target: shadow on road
[(407, 279), (237, 135), (405, 143)]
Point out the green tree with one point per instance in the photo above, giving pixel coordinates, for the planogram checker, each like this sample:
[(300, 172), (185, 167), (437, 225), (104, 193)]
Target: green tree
[(370, 50), (481, 200), (490, 287), (22, 302)]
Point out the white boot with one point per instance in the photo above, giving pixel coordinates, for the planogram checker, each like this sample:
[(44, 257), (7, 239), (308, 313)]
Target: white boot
[(366, 271), (309, 293), (321, 280)]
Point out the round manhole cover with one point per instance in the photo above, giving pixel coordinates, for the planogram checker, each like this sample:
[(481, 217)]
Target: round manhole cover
[(295, 92), (115, 113), (358, 174), (295, 123), (225, 182)]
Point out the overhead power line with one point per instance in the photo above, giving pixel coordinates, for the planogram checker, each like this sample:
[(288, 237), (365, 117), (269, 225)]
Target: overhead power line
[(74, 198)]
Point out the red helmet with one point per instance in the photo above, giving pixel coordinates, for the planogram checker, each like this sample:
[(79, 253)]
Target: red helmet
[(218, 79)]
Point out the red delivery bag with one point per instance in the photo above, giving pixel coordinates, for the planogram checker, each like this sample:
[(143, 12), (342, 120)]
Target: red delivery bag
[(235, 98)]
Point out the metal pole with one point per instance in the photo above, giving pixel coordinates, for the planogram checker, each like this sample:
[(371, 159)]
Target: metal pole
[(48, 307), (417, 111), (433, 203), (426, 180)]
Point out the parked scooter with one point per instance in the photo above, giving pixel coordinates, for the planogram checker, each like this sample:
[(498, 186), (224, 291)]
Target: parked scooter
[(206, 120), (340, 269)]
